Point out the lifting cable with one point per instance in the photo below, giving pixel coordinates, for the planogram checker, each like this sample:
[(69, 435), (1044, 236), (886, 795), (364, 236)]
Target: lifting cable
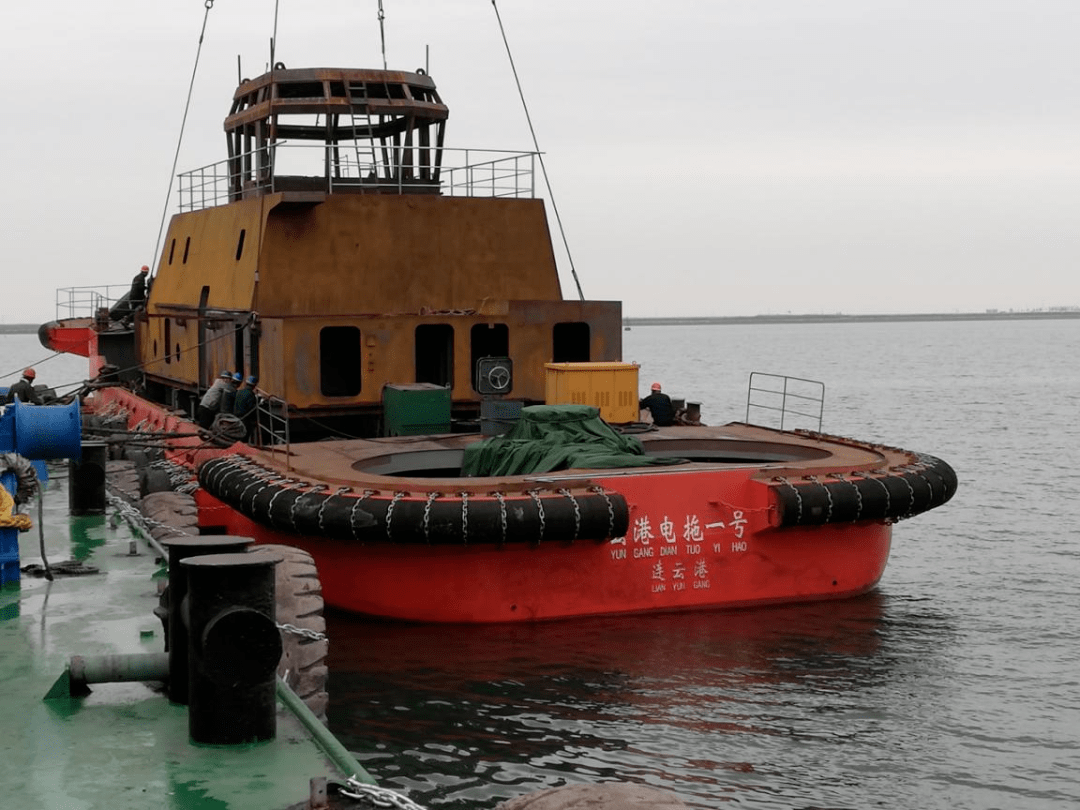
[(208, 4), (382, 34), (539, 154)]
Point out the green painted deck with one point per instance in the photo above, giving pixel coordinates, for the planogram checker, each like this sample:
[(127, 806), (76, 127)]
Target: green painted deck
[(125, 745)]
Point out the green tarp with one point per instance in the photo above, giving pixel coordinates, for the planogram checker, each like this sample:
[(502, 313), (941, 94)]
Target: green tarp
[(556, 437)]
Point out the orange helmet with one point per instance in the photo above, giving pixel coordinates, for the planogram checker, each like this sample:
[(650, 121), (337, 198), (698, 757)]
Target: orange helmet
[(29, 374)]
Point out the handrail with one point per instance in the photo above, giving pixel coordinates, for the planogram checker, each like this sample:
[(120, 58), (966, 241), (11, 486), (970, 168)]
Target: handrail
[(272, 422), (792, 392), (84, 302), (460, 173)]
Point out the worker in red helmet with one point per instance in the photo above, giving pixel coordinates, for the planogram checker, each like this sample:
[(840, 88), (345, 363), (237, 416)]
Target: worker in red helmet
[(659, 405), (24, 389)]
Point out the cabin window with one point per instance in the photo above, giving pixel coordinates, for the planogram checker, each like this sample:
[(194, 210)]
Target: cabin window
[(187, 247), (435, 354), (240, 244), (168, 340), (172, 250), (340, 358), (570, 342), (488, 340)]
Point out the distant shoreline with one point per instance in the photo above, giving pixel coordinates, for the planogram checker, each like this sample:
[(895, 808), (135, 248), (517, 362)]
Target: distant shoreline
[(661, 320), (840, 318)]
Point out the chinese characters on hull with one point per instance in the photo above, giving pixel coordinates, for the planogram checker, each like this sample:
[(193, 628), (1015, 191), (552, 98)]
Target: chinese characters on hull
[(642, 542)]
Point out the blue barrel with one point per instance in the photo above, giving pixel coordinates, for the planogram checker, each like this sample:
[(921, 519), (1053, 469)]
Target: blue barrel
[(48, 431)]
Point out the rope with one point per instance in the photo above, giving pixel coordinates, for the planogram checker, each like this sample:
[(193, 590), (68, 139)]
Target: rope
[(208, 4), (20, 370), (539, 155)]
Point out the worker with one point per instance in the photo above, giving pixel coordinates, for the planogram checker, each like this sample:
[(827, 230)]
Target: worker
[(659, 405), (228, 396), (137, 295), (210, 404), (24, 389), (245, 404)]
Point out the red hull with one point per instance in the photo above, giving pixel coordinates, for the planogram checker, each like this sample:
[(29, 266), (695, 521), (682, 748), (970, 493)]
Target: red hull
[(737, 565), (697, 539)]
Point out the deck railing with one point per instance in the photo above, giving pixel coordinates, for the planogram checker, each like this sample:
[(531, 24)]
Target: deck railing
[(793, 398), (272, 426), (316, 168), (84, 302)]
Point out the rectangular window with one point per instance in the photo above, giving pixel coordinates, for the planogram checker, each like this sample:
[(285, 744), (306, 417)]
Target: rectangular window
[(488, 340), (570, 342), (340, 361), (435, 354)]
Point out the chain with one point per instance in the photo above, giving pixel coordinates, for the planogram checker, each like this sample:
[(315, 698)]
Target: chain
[(540, 510), (383, 797), (798, 497), (314, 635), (577, 511), (427, 515), (610, 510), (502, 513), (133, 515), (911, 497), (465, 517), (828, 496), (390, 511)]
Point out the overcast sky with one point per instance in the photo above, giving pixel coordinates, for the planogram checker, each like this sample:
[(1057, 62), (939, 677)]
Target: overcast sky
[(709, 157)]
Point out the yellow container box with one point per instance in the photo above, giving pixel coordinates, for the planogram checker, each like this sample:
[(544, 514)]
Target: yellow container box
[(611, 387)]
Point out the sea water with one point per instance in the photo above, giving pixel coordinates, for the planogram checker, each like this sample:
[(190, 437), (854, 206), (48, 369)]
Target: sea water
[(955, 684)]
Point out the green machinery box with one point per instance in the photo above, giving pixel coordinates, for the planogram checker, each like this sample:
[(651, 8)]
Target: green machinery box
[(415, 409)]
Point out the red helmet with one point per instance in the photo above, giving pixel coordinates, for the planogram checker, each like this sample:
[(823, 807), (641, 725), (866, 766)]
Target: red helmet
[(144, 269), (29, 374), (656, 386)]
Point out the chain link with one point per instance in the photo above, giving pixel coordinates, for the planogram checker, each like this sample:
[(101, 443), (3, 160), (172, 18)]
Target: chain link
[(464, 517), (502, 513), (383, 797), (610, 509), (427, 515), (314, 635), (133, 515), (577, 511)]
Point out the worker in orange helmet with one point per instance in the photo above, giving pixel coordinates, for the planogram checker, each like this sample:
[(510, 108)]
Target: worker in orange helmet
[(137, 296), (659, 405), (24, 389)]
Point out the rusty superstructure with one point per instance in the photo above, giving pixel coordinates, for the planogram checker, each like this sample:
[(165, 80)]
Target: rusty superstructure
[(342, 247)]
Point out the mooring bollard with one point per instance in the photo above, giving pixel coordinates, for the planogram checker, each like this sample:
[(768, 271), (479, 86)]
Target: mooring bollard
[(176, 633), (233, 648), (86, 487)]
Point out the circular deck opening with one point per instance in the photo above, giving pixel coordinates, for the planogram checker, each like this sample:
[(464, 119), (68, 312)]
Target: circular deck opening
[(447, 463)]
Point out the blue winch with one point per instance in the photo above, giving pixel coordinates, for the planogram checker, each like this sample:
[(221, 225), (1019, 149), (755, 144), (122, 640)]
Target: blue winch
[(33, 433)]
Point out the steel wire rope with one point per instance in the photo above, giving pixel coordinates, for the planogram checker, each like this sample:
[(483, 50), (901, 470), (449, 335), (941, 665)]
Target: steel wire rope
[(136, 367), (539, 154), (207, 4), (28, 365)]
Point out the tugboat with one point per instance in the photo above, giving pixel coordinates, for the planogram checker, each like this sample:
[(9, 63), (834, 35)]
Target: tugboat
[(399, 305)]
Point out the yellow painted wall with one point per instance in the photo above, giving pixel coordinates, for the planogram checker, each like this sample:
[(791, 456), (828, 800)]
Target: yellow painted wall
[(376, 254)]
